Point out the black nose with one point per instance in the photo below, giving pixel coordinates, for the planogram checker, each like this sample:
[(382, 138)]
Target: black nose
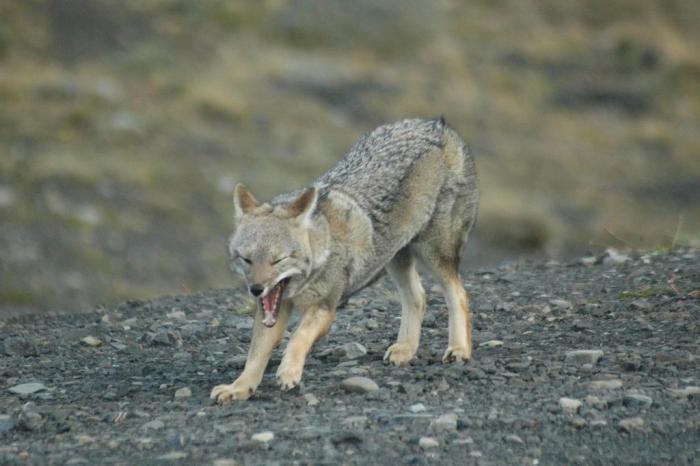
[(256, 290)]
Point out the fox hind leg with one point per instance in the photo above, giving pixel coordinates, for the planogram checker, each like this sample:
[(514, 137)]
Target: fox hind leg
[(402, 270)]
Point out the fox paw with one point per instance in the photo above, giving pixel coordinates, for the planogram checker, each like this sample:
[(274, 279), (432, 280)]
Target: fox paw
[(224, 394), (460, 354), (399, 354), (288, 378)]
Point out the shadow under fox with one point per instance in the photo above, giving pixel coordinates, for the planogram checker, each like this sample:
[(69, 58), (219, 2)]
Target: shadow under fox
[(405, 192)]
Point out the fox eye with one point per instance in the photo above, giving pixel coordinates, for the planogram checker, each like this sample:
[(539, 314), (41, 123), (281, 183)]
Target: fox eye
[(246, 260), (280, 260)]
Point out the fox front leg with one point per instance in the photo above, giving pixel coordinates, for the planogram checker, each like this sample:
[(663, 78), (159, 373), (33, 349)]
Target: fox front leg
[(264, 340), (315, 323)]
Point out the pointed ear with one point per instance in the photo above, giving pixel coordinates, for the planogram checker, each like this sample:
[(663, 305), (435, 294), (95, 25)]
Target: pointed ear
[(302, 208), (243, 200)]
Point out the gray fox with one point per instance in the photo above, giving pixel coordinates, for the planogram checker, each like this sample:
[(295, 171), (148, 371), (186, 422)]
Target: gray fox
[(405, 192)]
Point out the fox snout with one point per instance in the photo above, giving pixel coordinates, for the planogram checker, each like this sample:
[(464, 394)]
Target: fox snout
[(256, 289)]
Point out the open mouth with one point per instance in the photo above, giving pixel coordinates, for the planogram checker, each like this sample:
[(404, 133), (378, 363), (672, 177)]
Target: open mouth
[(271, 303)]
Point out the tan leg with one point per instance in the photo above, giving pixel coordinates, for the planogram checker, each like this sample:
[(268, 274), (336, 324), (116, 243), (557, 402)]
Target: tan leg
[(262, 343), (402, 270), (459, 346), (315, 322)]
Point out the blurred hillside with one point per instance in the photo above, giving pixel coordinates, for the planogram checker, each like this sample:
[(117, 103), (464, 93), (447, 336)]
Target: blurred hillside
[(125, 124)]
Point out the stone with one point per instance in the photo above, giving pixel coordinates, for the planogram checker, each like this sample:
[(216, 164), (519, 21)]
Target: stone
[(583, 356), (173, 456), (445, 422), (311, 399), (512, 438), (632, 423), (605, 384), (417, 408), (224, 462), (492, 343), (355, 421), (353, 350), (637, 399), (595, 402), (569, 405), (19, 346), (6, 424), (359, 384), (183, 393), (579, 422), (612, 256), (28, 388), (29, 419), (91, 341), (263, 437), (155, 424), (84, 439), (428, 442), (686, 392), (561, 304)]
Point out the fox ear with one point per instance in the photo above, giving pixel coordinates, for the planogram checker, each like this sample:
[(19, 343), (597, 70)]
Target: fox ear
[(243, 200), (302, 208)]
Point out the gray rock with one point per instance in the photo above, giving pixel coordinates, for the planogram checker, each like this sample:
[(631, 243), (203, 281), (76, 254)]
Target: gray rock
[(605, 384), (569, 405), (311, 399), (583, 356), (20, 346), (355, 421), (173, 456), (263, 437), (155, 424), (183, 393), (28, 388), (492, 343), (417, 408), (445, 422), (29, 419), (6, 424), (686, 392), (353, 350), (358, 384), (637, 399), (513, 439), (91, 341), (595, 402), (612, 256), (632, 423), (561, 304), (428, 442)]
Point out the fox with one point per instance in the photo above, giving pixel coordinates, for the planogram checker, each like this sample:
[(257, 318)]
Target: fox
[(405, 193)]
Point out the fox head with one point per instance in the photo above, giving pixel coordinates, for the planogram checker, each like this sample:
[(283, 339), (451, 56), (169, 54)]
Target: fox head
[(270, 247)]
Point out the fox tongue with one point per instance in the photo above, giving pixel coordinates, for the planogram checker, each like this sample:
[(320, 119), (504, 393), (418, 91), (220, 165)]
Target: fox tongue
[(269, 303)]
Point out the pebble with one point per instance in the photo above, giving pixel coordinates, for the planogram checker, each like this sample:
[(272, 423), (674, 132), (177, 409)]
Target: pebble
[(91, 341), (569, 405), (311, 399), (583, 356), (428, 442), (513, 439), (173, 455), (605, 384), (183, 393), (263, 437), (637, 399), (355, 421), (578, 422), (19, 346), (358, 384), (6, 423), (445, 422), (561, 304), (612, 256), (685, 392), (28, 388), (492, 343), (225, 462), (353, 350), (596, 402), (417, 408), (631, 423), (155, 424), (84, 439)]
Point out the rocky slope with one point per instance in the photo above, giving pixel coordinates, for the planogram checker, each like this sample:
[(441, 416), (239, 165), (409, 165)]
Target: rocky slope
[(591, 362)]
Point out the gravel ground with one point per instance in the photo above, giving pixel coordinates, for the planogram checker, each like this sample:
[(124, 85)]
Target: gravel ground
[(137, 390)]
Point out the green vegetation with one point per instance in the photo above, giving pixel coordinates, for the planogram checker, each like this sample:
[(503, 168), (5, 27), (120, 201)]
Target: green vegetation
[(124, 125)]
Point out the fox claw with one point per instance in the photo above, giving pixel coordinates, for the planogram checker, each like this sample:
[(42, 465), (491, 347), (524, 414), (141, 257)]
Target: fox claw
[(288, 378), (399, 354), (224, 394), (456, 354)]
